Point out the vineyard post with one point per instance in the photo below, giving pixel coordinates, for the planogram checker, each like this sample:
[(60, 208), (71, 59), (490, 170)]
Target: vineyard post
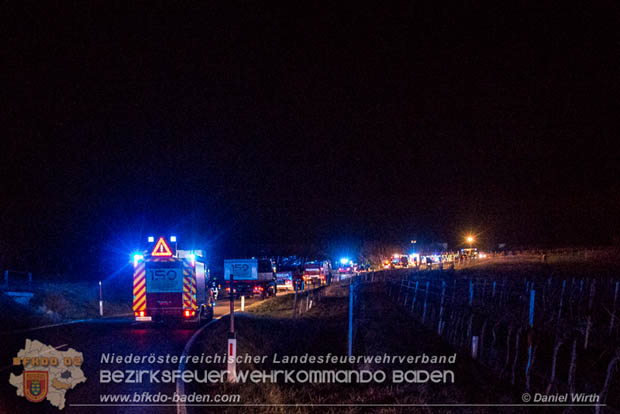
[(569, 303), (471, 308), (613, 313), (407, 292), (532, 297), (295, 300), (529, 350), (474, 347), (573, 367), (554, 360), (350, 330), (514, 363), (561, 301), (441, 308), (453, 291), (610, 369), (589, 320), (501, 294), (425, 300), (415, 294), (481, 341)]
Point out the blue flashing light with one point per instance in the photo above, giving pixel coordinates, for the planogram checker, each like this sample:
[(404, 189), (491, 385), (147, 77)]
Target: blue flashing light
[(173, 239), (151, 239), (136, 258), (192, 259), (344, 260)]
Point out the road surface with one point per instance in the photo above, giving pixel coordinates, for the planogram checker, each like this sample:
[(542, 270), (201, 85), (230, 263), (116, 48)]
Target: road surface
[(93, 338)]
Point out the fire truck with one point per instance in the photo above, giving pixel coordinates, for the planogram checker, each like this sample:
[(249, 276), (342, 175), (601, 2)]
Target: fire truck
[(318, 271), (170, 284)]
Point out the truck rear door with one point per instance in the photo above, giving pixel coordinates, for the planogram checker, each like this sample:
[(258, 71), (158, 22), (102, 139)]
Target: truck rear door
[(164, 288)]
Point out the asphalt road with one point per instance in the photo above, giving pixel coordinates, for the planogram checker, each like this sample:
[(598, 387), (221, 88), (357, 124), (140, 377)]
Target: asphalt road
[(93, 337)]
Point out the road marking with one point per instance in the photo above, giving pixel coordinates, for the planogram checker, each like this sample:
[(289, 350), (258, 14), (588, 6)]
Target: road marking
[(181, 407), (180, 384), (63, 324), (49, 326)]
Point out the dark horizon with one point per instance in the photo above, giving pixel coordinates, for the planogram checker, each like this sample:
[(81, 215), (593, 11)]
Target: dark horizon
[(243, 125)]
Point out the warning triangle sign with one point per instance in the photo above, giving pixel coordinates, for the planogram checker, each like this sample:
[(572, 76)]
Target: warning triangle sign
[(161, 249)]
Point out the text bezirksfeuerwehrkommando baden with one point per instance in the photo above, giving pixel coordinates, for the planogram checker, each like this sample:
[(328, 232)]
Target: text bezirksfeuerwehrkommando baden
[(287, 376)]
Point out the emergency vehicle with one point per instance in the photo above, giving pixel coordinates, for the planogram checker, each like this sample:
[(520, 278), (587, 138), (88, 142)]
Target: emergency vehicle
[(289, 271), (399, 261), (347, 268), (170, 284), (318, 271), (251, 277), (471, 253)]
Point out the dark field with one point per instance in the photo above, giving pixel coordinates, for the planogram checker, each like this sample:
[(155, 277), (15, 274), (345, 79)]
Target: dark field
[(389, 318)]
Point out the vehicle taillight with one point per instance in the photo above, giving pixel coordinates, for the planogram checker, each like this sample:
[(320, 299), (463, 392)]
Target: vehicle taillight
[(141, 313), (188, 313)]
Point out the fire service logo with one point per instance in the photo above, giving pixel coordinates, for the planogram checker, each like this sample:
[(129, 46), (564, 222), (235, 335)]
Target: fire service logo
[(48, 373), (35, 385)]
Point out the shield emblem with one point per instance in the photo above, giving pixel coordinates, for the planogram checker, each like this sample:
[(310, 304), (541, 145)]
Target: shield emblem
[(35, 385)]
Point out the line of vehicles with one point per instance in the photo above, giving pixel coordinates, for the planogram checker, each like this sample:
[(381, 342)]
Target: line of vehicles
[(401, 261), (173, 284), (170, 283)]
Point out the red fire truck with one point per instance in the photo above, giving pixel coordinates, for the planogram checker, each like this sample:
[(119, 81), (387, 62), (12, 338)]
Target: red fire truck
[(318, 271)]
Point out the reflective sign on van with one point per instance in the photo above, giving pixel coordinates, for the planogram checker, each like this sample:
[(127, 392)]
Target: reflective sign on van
[(161, 279), (242, 269)]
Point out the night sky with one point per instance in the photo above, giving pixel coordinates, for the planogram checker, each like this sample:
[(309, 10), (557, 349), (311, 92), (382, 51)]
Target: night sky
[(243, 125)]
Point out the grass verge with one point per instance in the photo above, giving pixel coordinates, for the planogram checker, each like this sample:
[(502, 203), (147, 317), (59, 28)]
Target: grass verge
[(270, 330)]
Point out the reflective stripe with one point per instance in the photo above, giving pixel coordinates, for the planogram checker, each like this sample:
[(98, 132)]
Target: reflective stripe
[(139, 287), (141, 304), (187, 283)]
